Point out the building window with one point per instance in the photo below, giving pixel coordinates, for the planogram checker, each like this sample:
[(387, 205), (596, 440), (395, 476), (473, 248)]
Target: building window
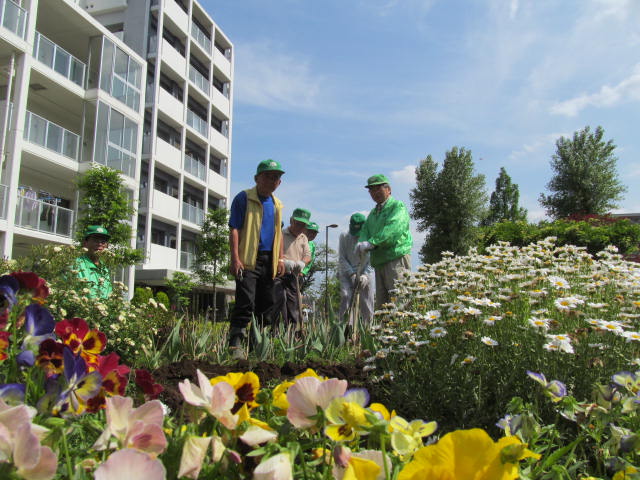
[(116, 140), (120, 75)]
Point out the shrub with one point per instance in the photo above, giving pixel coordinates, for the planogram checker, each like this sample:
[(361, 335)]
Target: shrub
[(141, 295), (163, 298)]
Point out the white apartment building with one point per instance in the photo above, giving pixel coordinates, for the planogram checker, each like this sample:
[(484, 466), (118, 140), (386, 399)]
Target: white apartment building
[(144, 86), (187, 123), (71, 93)]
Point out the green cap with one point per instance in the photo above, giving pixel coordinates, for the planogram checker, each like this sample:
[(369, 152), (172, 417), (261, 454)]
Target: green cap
[(301, 215), (357, 219), (313, 226), (96, 230), (269, 165), (378, 179)]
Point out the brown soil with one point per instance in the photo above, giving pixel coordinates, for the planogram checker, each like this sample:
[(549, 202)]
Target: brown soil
[(170, 375)]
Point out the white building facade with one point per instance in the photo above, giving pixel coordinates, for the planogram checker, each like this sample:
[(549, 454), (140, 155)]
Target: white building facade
[(185, 167), (71, 94), (143, 86)]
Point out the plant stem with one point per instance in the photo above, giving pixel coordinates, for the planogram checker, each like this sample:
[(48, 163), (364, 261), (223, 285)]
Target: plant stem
[(65, 446)]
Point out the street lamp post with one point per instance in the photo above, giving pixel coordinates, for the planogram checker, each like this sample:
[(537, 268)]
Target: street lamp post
[(326, 269)]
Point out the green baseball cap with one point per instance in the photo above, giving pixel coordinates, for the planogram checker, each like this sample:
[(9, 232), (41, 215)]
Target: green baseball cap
[(301, 215), (374, 180), (313, 226), (357, 219), (96, 230), (269, 165)]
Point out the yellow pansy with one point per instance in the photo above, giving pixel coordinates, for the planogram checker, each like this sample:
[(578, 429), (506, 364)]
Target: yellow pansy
[(406, 437), (467, 455), (347, 416), (246, 386), (280, 397)]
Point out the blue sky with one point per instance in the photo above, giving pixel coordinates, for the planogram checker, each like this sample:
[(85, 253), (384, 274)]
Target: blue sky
[(337, 90)]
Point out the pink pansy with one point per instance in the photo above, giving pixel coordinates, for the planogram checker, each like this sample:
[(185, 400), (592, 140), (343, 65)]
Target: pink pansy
[(218, 399), (33, 461), (193, 453), (139, 428), (256, 435), (277, 467), (309, 393), (130, 464)]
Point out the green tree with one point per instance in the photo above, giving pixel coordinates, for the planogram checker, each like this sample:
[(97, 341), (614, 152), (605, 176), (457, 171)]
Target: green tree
[(105, 201), (503, 205), (211, 261), (180, 286), (448, 204), (585, 178)]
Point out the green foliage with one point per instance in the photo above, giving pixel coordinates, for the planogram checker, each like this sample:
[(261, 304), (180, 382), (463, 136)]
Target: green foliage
[(141, 295), (448, 204), (316, 274), (131, 328), (585, 178), (163, 298), (503, 205), (104, 201), (456, 345), (180, 286), (593, 233)]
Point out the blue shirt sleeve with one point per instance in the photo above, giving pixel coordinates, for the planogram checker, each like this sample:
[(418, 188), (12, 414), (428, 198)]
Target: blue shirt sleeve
[(238, 210)]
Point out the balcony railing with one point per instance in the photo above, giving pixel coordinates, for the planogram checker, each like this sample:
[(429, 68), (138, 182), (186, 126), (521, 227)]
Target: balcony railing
[(58, 59), (196, 122), (195, 167), (44, 217), (200, 80), (187, 260), (201, 38), (13, 17), (51, 136), (4, 190), (192, 214)]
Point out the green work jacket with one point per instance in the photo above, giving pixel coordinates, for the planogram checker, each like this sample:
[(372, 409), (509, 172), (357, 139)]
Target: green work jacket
[(388, 231), (97, 276), (312, 247)]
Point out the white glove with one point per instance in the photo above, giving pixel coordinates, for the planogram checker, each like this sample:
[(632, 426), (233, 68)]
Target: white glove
[(363, 247), (299, 266), (364, 281), (289, 265)]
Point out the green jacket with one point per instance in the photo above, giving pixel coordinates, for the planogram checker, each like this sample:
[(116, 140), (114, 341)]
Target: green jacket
[(97, 276), (388, 231), (312, 247)]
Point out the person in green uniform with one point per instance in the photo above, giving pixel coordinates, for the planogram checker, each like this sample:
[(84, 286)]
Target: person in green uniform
[(387, 236), (89, 266), (312, 233)]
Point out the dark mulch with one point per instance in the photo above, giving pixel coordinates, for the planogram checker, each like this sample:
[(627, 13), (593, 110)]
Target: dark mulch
[(170, 375)]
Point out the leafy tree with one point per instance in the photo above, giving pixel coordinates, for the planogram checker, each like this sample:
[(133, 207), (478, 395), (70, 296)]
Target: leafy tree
[(448, 204), (212, 250), (105, 201), (503, 205), (317, 270), (180, 286), (585, 179)]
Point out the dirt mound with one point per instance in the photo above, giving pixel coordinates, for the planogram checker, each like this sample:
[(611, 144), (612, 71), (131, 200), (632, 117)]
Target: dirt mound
[(270, 374)]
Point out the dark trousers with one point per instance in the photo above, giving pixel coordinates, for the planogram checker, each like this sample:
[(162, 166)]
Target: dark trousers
[(291, 307), (255, 294)]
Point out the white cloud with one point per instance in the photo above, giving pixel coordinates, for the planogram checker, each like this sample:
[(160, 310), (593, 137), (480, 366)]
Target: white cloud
[(513, 9), (536, 145), (268, 77), (406, 175), (608, 96), (633, 170)]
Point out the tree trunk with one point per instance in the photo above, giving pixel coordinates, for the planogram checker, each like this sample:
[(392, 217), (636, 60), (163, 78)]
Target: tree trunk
[(215, 309)]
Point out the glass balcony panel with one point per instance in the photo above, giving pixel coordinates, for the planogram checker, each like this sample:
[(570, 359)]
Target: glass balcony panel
[(14, 17), (76, 74), (186, 260), (192, 214), (200, 80), (196, 122), (44, 217), (70, 145), (119, 160), (45, 50), (195, 167), (201, 38), (54, 138), (4, 190), (36, 129), (62, 62)]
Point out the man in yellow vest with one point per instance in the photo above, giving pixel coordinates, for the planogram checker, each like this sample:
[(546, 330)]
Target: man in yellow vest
[(257, 253)]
